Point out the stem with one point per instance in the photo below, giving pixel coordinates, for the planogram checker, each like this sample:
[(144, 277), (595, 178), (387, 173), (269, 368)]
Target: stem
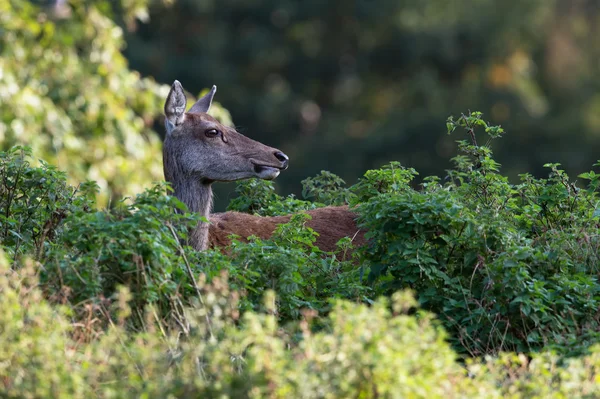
[(189, 270), (470, 130)]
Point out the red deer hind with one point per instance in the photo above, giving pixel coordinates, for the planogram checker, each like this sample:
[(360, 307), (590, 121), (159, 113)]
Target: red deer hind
[(198, 151)]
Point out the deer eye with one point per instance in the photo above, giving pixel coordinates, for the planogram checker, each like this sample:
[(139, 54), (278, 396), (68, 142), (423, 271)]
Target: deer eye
[(212, 133)]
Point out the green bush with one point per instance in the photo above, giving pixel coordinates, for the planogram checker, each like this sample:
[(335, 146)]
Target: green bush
[(326, 188), (506, 267), (34, 202), (259, 197), (136, 245), (86, 253), (383, 350)]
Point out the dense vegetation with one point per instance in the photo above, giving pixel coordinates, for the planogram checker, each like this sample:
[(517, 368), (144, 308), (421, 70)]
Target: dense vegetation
[(458, 273)]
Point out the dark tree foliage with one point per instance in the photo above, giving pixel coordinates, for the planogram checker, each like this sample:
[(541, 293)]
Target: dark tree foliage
[(350, 85)]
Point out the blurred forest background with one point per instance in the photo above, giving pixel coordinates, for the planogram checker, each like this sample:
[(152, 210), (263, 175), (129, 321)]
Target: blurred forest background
[(338, 85)]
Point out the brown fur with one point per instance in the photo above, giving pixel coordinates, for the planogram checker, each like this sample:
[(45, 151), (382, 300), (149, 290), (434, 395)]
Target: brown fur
[(332, 223), (198, 150)]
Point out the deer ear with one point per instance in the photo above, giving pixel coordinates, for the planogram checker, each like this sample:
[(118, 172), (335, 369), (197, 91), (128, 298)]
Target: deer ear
[(175, 106), (203, 104)]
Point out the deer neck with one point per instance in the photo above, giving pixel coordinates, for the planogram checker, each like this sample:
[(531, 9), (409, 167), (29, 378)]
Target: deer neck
[(197, 196)]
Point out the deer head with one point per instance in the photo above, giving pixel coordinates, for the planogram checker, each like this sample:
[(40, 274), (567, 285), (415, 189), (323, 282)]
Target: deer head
[(197, 147)]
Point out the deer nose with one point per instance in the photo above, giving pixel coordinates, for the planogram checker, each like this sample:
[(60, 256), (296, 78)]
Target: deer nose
[(283, 158)]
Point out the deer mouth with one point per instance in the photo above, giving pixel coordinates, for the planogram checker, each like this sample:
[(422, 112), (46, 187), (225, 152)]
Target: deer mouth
[(266, 172)]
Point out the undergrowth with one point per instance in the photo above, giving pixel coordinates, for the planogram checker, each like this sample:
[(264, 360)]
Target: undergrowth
[(494, 267)]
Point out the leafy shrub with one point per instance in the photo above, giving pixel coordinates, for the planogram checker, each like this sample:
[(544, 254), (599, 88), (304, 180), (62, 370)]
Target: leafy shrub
[(383, 350), (34, 202), (390, 178), (507, 267), (136, 245), (139, 244), (258, 197), (326, 188)]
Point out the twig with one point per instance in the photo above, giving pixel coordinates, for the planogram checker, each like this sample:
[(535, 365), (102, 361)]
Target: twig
[(189, 270), (470, 130)]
